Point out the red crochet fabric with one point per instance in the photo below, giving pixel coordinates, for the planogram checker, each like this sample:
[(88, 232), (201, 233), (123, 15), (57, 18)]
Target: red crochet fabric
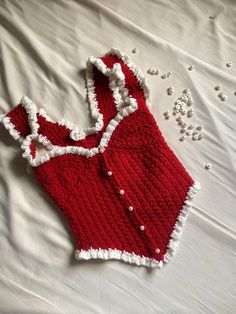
[(121, 188)]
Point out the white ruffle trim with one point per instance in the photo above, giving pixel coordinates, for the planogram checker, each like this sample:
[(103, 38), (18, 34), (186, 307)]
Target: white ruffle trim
[(180, 222), (132, 258), (125, 106), (109, 254), (10, 127)]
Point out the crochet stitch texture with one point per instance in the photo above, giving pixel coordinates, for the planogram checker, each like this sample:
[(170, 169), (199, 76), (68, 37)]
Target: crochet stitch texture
[(123, 191)]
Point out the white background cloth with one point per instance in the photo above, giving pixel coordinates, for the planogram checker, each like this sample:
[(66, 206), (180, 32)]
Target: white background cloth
[(44, 46)]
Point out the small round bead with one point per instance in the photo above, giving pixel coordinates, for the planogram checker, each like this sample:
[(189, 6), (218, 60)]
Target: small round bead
[(183, 130), (208, 166), (157, 250), (109, 173), (122, 192), (186, 91), (229, 64), (195, 137), (134, 50), (199, 128), (130, 208), (191, 68), (191, 127), (189, 132), (217, 87), (142, 228), (200, 137), (182, 138)]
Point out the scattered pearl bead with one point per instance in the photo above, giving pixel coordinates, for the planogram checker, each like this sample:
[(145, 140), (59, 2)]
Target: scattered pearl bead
[(142, 228), (208, 166), (191, 68), (191, 127), (199, 128), (189, 102), (229, 64), (182, 138), (195, 137), (182, 131), (153, 72), (186, 91), (177, 106), (109, 173), (189, 132), (135, 50), (122, 192), (217, 87), (170, 90), (130, 208), (157, 250), (223, 98), (200, 137), (183, 112)]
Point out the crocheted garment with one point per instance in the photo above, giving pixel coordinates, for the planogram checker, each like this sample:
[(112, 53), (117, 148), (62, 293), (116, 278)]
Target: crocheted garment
[(121, 188)]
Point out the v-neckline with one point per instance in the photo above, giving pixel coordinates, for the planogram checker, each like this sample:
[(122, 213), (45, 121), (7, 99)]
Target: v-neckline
[(121, 97)]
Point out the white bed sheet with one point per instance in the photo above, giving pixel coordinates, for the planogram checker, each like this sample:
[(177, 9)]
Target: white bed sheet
[(44, 46)]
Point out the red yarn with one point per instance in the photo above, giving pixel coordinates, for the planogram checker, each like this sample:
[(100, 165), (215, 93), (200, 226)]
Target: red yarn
[(154, 181)]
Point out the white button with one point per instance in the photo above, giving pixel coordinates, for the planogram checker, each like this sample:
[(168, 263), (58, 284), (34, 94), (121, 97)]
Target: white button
[(109, 173), (142, 228), (122, 192), (157, 250), (130, 208)]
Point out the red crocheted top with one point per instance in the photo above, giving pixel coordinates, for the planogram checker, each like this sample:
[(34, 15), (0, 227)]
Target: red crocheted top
[(123, 191)]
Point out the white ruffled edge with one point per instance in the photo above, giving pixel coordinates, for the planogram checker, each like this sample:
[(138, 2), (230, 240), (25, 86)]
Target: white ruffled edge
[(132, 258), (124, 103)]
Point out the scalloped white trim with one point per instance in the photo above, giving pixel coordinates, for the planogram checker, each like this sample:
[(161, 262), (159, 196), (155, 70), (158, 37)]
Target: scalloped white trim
[(180, 222), (109, 254), (10, 127), (132, 258), (125, 105)]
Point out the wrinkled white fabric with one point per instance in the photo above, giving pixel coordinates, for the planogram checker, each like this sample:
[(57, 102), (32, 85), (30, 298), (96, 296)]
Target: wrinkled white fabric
[(44, 46)]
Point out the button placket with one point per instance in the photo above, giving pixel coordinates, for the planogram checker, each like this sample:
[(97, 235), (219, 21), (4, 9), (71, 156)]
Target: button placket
[(131, 211)]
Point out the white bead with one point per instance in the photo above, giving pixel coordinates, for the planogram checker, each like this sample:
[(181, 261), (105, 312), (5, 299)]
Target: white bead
[(177, 106), (142, 228), (182, 138), (191, 127), (208, 166), (191, 68), (195, 137), (109, 173), (199, 128), (122, 192), (134, 50), (189, 132), (182, 130), (229, 64), (157, 250), (217, 87), (166, 113), (130, 208), (200, 137), (186, 91)]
